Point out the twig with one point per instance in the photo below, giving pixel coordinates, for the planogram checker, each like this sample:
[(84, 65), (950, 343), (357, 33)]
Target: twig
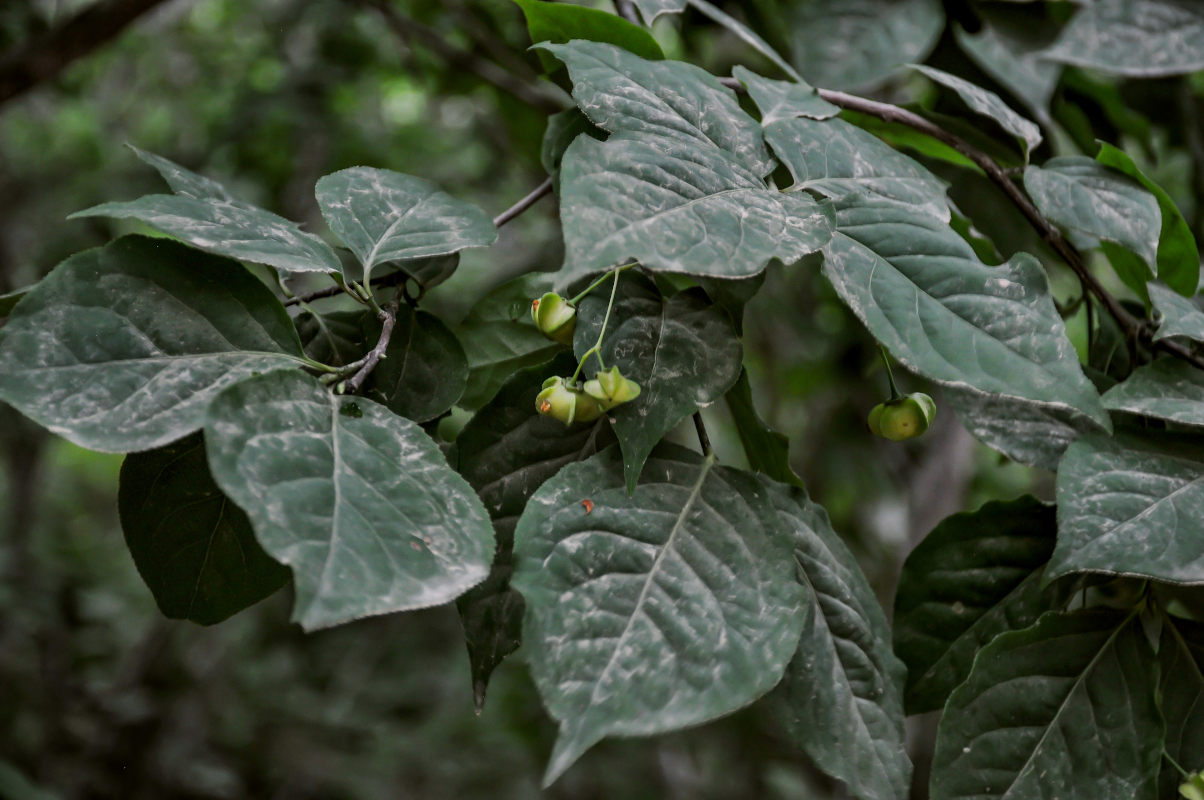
[(388, 318), (43, 57), (627, 11), (704, 441), (392, 279), (412, 32), (522, 205)]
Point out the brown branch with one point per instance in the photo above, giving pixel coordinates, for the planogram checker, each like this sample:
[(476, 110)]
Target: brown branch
[(363, 367), (411, 32), (45, 56), (392, 279), (522, 205), (700, 428)]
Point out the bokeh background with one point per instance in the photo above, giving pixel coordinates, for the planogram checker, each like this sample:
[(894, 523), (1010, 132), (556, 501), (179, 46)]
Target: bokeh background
[(101, 697)]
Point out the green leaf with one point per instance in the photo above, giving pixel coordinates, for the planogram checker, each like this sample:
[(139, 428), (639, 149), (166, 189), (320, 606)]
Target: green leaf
[(122, 347), (386, 216), (625, 94), (922, 293), (1180, 317), (1131, 269), (651, 9), (499, 337), (1132, 505), (836, 159), (975, 576), (683, 352), (768, 451), (856, 44), (841, 699), (10, 300), (1147, 39), (1026, 432), (656, 611), (781, 100), (562, 129), (1181, 659), (1167, 389), (185, 181), (560, 22), (359, 502), (1008, 47), (746, 35), (1178, 256), (1065, 708), (988, 104), (506, 452), (336, 338), (193, 547), (424, 370), (1078, 193)]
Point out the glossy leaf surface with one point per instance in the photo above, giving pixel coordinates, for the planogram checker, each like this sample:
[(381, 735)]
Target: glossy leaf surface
[(561, 22), (1147, 39), (985, 102), (1167, 389), (1180, 316)]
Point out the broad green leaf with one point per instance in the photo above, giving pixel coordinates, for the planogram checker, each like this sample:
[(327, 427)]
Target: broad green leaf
[(426, 272), (562, 129), (506, 452), (841, 700), (1181, 659), (185, 181), (746, 35), (651, 9), (856, 44), (122, 347), (424, 370), (1008, 47), (767, 451), (1146, 39), (499, 337), (10, 300), (561, 22), (655, 611), (678, 207), (1180, 317), (1078, 193), (1065, 708), (987, 103), (1178, 256), (358, 501), (1026, 432), (386, 216), (625, 94), (1132, 505), (975, 576), (921, 292), (683, 352), (1167, 389), (1132, 270), (336, 338), (836, 159), (193, 547), (781, 100)]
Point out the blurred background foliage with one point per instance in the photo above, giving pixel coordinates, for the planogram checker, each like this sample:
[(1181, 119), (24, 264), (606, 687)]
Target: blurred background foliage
[(101, 697)]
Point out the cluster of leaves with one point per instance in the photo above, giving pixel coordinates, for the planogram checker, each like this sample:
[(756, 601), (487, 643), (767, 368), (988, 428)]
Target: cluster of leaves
[(653, 588)]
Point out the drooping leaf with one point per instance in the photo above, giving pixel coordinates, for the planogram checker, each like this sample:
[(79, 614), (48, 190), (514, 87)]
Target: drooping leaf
[(1181, 659), (683, 352), (1147, 39), (358, 501), (335, 338), (975, 576), (651, 9), (745, 34), (561, 22), (856, 44), (185, 181), (499, 337), (122, 347), (836, 159), (1008, 47), (1180, 317), (1178, 256), (780, 100), (654, 611), (1167, 389), (386, 216), (193, 547), (1065, 708), (985, 102), (767, 451), (842, 698), (506, 452), (1132, 505), (919, 289), (1078, 193), (1026, 432), (424, 370)]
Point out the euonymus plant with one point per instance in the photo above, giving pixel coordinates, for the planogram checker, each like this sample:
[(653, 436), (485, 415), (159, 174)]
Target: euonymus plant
[(274, 441)]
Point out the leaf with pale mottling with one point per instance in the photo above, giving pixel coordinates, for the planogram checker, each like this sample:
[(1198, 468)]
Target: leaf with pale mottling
[(1167, 389), (1146, 39), (779, 100), (1008, 47), (987, 103), (1180, 316)]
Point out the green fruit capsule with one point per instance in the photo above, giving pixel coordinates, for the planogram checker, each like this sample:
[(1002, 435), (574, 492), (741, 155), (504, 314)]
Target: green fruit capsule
[(554, 317), (611, 389), (561, 401), (904, 418), (1193, 787)]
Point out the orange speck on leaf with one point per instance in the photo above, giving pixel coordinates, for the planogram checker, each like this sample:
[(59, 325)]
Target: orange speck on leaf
[(588, 505)]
